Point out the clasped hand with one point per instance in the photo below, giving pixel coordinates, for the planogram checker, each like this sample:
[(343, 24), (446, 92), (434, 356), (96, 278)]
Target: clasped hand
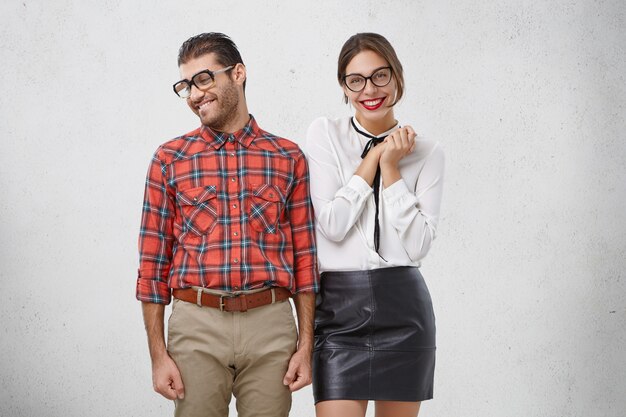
[(396, 146)]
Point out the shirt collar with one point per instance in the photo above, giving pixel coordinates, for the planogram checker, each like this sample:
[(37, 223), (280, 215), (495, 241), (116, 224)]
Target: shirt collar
[(382, 135), (244, 136)]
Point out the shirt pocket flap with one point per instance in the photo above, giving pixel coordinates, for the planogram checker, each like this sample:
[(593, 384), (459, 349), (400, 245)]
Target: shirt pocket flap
[(197, 196), (269, 193)]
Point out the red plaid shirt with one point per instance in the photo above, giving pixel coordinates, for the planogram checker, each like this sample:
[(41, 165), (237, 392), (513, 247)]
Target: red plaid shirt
[(229, 212)]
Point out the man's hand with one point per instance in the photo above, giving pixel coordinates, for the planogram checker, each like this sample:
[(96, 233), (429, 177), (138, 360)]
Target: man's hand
[(166, 379), (299, 373)]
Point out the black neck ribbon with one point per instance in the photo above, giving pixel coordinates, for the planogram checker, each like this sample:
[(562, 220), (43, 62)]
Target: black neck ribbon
[(373, 141)]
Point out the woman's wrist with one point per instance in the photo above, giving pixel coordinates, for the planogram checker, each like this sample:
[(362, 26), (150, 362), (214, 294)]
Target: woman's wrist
[(390, 173)]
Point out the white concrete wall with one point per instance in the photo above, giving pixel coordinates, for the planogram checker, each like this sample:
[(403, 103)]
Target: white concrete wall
[(527, 97)]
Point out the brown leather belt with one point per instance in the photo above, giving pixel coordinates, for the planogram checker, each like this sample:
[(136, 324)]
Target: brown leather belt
[(239, 302)]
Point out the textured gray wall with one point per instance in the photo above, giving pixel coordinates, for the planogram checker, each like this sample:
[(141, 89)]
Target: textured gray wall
[(527, 275)]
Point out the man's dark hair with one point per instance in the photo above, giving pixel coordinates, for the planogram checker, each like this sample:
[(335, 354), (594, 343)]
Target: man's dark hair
[(221, 45)]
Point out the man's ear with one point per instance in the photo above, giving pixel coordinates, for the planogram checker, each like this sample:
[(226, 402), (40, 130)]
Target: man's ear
[(239, 73)]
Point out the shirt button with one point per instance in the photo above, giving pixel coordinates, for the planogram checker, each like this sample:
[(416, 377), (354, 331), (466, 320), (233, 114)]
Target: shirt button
[(235, 287), (235, 233), (236, 260), (233, 179), (234, 205), (232, 154)]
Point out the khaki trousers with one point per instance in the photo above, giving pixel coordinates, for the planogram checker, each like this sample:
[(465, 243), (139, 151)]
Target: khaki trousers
[(240, 353)]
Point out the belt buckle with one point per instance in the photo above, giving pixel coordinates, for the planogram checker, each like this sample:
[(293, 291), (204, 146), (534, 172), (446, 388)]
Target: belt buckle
[(222, 305), (243, 307)]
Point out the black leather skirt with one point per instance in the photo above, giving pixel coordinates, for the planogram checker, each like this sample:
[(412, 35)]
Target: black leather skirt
[(374, 336)]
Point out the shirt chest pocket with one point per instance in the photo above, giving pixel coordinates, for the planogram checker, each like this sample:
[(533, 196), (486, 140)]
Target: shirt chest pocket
[(266, 205), (198, 207)]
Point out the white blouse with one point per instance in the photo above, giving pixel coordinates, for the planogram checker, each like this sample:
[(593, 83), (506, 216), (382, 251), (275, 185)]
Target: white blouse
[(344, 202)]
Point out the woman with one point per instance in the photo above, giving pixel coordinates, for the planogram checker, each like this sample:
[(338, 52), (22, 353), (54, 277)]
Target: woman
[(376, 193)]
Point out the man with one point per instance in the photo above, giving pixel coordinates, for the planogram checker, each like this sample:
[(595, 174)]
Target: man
[(227, 230)]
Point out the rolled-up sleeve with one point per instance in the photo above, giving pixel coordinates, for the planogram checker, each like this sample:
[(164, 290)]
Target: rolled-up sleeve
[(156, 236), (302, 221)]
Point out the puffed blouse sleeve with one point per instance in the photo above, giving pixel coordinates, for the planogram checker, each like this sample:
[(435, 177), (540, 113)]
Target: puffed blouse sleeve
[(337, 206), (414, 213)]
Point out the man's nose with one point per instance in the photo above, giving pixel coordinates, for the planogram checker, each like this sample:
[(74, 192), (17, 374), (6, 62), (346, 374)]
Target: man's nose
[(195, 93)]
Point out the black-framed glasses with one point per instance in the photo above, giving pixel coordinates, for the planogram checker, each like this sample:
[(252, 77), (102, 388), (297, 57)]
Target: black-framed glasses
[(356, 82), (202, 80)]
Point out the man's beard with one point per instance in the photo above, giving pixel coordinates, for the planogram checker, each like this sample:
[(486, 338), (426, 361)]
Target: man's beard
[(227, 110)]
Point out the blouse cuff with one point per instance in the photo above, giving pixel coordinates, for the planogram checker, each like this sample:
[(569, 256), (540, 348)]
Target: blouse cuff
[(395, 192), (356, 189)]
